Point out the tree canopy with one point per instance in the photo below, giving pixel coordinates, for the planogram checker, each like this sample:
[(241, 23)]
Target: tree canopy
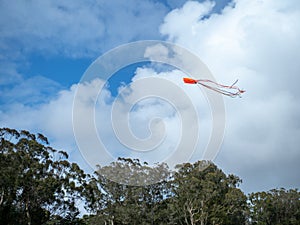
[(39, 185)]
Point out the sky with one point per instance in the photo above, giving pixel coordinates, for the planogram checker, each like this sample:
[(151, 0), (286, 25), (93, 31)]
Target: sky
[(46, 48)]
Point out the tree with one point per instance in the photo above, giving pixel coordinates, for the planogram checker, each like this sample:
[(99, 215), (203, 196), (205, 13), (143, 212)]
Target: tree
[(276, 207), (37, 183), (203, 194), (197, 193), (134, 199)]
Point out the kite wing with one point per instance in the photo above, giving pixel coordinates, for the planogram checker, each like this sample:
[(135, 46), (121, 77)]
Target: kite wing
[(231, 90)]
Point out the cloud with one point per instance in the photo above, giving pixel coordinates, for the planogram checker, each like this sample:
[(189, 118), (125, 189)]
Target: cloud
[(145, 119), (9, 74), (33, 90), (53, 118), (39, 114), (195, 11), (257, 42), (76, 28), (68, 29)]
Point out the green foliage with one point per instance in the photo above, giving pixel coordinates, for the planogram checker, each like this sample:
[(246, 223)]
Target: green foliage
[(276, 207), (134, 173), (37, 183), (196, 194), (127, 204), (203, 194)]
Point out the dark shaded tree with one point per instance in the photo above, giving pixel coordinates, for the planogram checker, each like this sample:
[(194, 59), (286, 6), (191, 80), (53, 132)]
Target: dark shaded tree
[(276, 207), (203, 194), (142, 203), (37, 183), (198, 193)]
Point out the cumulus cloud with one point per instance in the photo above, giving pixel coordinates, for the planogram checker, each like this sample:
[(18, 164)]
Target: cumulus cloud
[(255, 41), (155, 117), (33, 90), (52, 117), (150, 119), (76, 28), (70, 30)]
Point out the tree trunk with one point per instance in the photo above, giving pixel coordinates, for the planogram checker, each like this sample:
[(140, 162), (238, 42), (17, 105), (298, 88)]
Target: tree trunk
[(190, 209), (202, 216), (2, 198), (27, 211)]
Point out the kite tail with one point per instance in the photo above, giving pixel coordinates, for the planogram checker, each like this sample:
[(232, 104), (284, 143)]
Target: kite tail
[(231, 91)]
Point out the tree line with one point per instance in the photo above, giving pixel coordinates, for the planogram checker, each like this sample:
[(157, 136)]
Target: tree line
[(39, 185)]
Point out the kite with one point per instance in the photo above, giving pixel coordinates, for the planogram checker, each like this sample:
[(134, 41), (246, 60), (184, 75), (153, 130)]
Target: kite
[(231, 90)]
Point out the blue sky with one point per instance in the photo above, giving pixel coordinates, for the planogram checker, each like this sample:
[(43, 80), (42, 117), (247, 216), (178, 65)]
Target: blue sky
[(35, 36), (46, 46)]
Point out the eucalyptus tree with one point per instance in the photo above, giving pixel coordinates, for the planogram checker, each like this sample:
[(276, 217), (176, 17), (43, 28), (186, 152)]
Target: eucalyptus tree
[(134, 193), (203, 194), (276, 207), (38, 185)]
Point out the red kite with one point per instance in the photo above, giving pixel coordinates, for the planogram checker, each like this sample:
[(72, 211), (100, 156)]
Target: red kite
[(223, 89)]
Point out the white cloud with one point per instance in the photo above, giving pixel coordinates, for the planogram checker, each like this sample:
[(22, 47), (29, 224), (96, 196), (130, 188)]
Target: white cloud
[(54, 119), (257, 42), (165, 100), (145, 121), (76, 28), (187, 24), (33, 90), (70, 29), (9, 74)]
